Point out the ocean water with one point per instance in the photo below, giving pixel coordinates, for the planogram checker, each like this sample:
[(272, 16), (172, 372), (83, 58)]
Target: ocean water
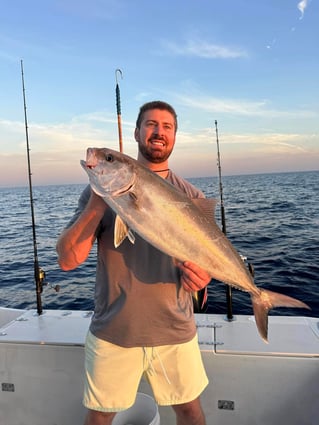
[(272, 219)]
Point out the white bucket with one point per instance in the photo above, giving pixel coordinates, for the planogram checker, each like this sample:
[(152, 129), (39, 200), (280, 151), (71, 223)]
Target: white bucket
[(143, 412)]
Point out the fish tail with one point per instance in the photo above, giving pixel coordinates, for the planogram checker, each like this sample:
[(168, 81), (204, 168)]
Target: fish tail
[(265, 301)]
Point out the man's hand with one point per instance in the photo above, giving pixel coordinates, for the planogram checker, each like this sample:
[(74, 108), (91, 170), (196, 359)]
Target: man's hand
[(193, 278)]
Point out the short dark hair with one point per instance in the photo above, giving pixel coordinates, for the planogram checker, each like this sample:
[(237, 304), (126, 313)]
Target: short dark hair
[(156, 104)]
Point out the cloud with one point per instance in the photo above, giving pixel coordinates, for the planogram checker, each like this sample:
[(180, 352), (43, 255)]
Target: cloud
[(238, 107), (80, 132), (244, 153), (302, 7), (203, 49), (293, 143), (57, 149)]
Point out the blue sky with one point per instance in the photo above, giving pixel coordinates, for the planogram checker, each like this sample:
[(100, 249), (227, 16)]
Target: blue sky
[(251, 65)]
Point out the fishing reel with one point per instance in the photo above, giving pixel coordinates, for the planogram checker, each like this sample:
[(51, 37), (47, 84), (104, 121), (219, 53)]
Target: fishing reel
[(41, 276)]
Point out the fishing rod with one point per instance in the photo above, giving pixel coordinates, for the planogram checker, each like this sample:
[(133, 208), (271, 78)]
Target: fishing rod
[(118, 108), (223, 219), (39, 274)]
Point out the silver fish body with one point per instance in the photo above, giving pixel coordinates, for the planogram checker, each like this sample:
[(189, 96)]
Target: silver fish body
[(165, 217)]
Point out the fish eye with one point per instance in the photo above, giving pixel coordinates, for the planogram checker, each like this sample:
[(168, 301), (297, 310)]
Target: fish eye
[(109, 157)]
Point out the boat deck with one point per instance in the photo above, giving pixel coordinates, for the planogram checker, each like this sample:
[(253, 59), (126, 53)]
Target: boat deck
[(251, 382), (288, 335)]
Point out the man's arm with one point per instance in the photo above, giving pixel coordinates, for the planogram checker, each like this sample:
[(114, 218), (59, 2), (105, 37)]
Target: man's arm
[(75, 243)]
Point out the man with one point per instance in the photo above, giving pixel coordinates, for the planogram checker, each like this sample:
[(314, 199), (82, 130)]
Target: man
[(143, 321)]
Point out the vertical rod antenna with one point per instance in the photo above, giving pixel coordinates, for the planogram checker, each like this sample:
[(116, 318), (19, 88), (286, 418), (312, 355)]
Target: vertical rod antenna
[(223, 220), (38, 273)]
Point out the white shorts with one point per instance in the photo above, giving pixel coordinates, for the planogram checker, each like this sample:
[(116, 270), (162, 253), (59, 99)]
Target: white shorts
[(112, 374)]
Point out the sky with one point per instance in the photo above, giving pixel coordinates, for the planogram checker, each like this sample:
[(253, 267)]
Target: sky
[(252, 66)]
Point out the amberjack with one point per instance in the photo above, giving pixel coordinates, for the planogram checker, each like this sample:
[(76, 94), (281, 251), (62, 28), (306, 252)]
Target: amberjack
[(183, 228)]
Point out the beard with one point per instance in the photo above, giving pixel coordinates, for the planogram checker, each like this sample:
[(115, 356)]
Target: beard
[(151, 154)]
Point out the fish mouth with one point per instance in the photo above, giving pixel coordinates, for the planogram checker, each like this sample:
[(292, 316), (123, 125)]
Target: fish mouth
[(85, 165)]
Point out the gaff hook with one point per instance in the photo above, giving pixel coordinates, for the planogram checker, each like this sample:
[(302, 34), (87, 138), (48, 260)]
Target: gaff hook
[(118, 71), (118, 108)]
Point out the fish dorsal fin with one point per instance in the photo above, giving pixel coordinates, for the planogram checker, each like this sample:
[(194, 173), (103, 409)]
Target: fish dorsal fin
[(207, 206), (121, 231)]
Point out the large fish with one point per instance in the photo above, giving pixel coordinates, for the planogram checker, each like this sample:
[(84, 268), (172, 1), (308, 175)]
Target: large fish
[(165, 217)]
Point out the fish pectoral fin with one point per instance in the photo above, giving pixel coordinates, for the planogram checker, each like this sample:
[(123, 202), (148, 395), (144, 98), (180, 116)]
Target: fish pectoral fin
[(122, 231)]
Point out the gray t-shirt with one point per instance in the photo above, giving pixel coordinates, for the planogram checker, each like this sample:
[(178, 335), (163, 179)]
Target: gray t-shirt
[(139, 300)]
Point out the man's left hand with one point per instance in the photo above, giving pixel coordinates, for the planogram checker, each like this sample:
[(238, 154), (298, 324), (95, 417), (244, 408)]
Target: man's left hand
[(193, 278)]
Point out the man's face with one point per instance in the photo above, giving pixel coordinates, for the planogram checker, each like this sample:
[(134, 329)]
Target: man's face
[(156, 135)]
